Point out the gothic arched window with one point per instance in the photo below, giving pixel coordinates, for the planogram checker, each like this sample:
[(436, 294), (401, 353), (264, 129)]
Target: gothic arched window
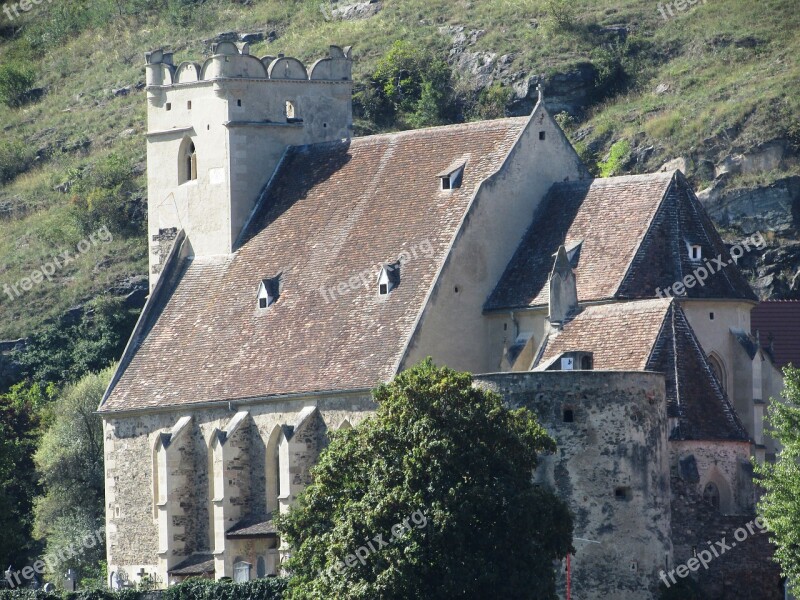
[(187, 167), (711, 494)]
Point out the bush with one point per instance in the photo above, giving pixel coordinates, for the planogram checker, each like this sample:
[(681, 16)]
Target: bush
[(193, 589), (15, 81), (104, 196), (271, 588), (409, 87), (15, 158), (617, 157), (492, 101), (561, 13)]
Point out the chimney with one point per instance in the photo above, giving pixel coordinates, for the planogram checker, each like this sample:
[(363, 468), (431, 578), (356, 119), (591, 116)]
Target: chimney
[(563, 289)]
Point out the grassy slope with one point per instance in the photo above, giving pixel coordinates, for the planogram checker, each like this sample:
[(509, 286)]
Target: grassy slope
[(725, 93)]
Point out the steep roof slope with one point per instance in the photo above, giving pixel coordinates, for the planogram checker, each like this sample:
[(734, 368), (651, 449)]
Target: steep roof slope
[(654, 335), (333, 211), (632, 233)]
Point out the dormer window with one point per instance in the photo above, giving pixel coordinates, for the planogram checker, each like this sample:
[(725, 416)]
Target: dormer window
[(450, 178), (388, 278), (268, 292), (695, 251)]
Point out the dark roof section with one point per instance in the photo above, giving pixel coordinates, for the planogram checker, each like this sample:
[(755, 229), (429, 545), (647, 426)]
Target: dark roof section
[(778, 326), (648, 335), (253, 526), (333, 214), (694, 395), (196, 564), (663, 257), (634, 231)]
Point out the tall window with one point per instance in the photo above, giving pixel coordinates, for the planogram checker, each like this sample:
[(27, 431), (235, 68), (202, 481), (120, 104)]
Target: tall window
[(187, 167), (711, 494)]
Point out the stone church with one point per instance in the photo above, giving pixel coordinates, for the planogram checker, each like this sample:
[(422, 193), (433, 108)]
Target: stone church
[(293, 267)]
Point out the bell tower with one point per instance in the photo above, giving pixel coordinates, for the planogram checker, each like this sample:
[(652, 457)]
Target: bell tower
[(217, 133)]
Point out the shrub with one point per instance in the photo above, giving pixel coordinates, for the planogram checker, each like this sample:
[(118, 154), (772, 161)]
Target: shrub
[(409, 87), (615, 162), (492, 101), (104, 196), (15, 158), (561, 13), (15, 81), (271, 588)]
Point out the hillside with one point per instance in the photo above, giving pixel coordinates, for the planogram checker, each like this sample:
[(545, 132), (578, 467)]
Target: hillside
[(713, 88)]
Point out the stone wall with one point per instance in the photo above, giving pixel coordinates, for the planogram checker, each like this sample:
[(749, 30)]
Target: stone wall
[(132, 528), (745, 570), (612, 469)]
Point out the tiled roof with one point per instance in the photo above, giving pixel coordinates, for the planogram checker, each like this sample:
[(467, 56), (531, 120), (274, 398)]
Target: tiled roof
[(196, 564), (634, 231), (253, 526), (654, 335), (621, 335), (333, 211), (778, 325)]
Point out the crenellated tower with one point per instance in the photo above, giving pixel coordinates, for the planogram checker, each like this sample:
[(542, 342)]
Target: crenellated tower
[(217, 132)]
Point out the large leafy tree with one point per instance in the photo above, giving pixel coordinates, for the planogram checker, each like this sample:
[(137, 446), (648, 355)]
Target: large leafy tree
[(454, 465), (780, 504), (69, 460), (19, 432)]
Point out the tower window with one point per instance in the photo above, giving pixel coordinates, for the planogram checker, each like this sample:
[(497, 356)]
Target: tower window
[(622, 493), (695, 252), (711, 316), (542, 135), (169, 106), (568, 415), (239, 102), (189, 105), (290, 111), (187, 170)]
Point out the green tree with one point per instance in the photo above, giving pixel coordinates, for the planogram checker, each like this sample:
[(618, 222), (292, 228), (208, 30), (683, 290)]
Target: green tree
[(18, 481), (409, 87), (70, 515), (779, 505), (437, 447)]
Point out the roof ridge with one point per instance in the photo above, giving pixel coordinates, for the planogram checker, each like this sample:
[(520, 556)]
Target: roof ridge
[(474, 125)]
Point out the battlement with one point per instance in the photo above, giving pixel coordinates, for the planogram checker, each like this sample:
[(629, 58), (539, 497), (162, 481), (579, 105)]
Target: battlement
[(231, 60)]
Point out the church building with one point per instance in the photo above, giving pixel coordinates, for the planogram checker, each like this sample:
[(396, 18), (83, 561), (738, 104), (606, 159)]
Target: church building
[(293, 267)]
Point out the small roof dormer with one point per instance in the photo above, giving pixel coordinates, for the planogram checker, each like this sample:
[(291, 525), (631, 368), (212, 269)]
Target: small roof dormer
[(450, 178), (388, 278), (269, 292)]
